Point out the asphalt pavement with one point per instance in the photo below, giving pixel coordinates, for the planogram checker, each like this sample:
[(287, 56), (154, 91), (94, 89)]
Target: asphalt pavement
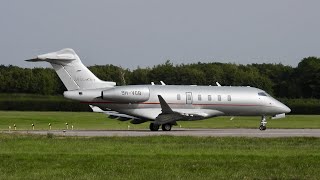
[(182, 132)]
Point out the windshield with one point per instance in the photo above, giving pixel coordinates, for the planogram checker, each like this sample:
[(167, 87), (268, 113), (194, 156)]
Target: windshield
[(262, 94)]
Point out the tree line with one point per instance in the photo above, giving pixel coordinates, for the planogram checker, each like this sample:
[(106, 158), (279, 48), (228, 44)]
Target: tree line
[(279, 80)]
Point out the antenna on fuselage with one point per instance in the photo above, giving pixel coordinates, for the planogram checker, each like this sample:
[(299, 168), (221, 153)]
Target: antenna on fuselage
[(218, 84)]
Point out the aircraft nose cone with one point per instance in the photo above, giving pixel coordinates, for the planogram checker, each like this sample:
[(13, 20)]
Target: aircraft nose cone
[(286, 109)]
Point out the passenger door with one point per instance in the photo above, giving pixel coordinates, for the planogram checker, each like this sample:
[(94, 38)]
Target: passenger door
[(188, 97)]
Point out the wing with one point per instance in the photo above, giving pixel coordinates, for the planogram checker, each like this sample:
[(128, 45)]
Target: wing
[(118, 116), (115, 114), (168, 115)]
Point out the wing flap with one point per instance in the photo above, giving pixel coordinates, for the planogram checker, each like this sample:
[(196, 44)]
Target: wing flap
[(113, 114)]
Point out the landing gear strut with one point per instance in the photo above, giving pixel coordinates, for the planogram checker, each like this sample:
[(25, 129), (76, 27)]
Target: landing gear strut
[(263, 123), (154, 127)]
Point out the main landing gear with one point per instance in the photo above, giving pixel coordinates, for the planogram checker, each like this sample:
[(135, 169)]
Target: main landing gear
[(263, 123), (164, 127)]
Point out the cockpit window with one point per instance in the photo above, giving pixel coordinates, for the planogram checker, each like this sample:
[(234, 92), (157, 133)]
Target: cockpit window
[(262, 94)]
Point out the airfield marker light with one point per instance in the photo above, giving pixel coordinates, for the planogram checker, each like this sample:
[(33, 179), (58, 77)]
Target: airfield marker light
[(67, 125), (180, 126), (15, 127), (9, 128), (32, 126), (72, 127), (128, 127), (50, 126)]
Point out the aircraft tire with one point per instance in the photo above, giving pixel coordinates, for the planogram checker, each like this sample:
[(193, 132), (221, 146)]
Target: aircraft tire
[(262, 128), (166, 127), (154, 127)]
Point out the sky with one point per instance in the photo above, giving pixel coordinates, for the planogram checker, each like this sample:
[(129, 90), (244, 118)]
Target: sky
[(147, 32)]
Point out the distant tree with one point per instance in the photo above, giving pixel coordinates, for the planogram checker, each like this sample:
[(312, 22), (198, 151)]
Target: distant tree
[(164, 72), (277, 79), (279, 75), (189, 76), (110, 72), (308, 77), (140, 76)]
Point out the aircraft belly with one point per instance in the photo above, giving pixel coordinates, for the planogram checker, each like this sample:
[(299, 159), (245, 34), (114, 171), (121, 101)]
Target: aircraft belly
[(137, 110), (151, 111), (241, 110)]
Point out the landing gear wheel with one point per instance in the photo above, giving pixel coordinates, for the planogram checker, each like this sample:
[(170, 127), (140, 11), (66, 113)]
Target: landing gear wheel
[(262, 128), (263, 123), (166, 127), (154, 127)]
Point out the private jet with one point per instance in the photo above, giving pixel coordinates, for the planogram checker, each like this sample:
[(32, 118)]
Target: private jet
[(163, 105)]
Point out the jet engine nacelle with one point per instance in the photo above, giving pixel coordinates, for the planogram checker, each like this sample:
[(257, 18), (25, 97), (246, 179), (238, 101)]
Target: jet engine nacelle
[(83, 95), (128, 94)]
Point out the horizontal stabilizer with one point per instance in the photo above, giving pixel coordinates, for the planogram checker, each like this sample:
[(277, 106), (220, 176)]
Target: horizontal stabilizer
[(34, 60), (71, 70), (65, 55)]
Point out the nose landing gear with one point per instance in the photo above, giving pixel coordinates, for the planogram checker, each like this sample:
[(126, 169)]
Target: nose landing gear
[(263, 123)]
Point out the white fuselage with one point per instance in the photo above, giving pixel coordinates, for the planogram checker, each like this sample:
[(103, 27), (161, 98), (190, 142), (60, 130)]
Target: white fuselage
[(207, 101), (165, 104)]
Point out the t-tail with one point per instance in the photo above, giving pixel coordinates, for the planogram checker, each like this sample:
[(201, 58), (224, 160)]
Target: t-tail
[(71, 71)]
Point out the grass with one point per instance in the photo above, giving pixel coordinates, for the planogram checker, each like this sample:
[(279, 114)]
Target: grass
[(89, 120), (23, 97), (163, 157)]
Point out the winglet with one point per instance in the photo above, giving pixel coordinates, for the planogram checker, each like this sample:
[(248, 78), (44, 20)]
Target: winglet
[(218, 84), (165, 108)]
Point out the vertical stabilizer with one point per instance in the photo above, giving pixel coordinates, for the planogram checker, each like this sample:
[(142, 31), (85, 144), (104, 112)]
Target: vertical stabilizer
[(71, 71)]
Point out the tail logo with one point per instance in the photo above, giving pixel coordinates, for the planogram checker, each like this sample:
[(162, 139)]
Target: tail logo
[(78, 79)]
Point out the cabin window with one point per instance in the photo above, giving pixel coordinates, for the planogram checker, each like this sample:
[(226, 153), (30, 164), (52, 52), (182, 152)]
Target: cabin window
[(219, 97), (178, 97), (199, 97), (209, 98), (229, 98), (80, 93)]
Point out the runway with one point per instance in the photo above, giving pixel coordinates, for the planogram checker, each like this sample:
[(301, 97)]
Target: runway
[(183, 132)]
